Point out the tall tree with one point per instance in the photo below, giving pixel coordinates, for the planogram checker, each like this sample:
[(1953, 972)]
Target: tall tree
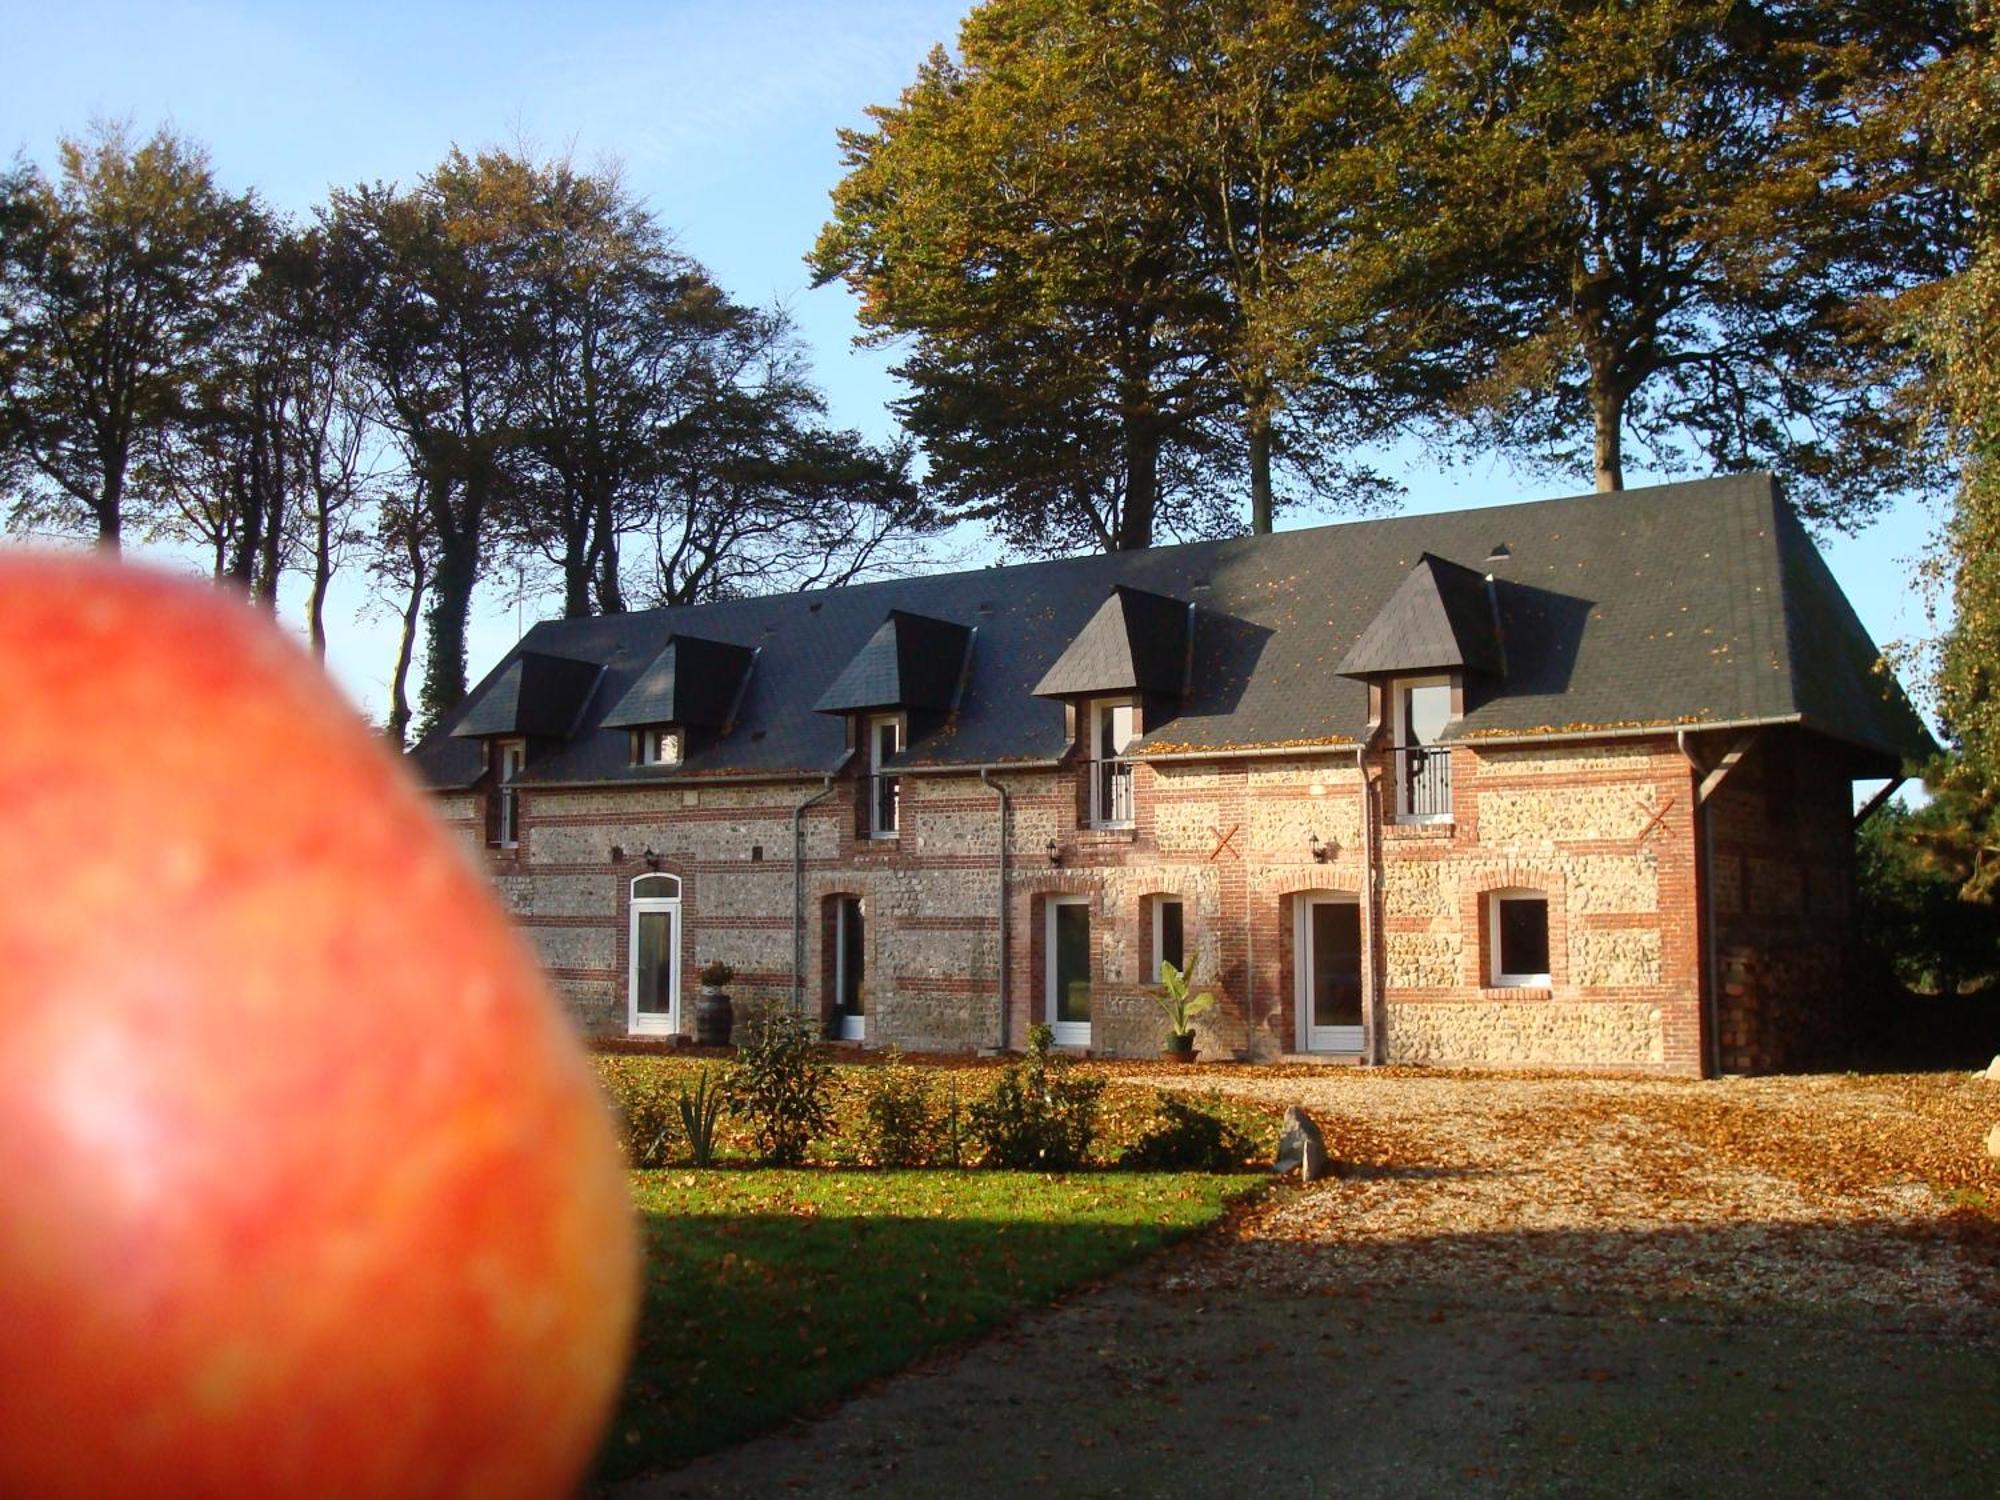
[(994, 216), (443, 335), (314, 299), (755, 494), (402, 561), (1957, 326), (118, 278), (1621, 195), (618, 328), (1122, 236)]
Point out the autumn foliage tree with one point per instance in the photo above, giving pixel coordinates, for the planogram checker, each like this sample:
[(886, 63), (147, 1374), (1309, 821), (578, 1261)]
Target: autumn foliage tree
[(1672, 220), (118, 278), (1107, 236), (1957, 325)]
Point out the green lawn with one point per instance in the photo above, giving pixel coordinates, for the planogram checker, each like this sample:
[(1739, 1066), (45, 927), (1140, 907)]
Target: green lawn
[(769, 1292)]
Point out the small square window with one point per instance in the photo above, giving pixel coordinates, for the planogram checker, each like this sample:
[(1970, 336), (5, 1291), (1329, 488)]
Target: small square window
[(657, 747), (1520, 929)]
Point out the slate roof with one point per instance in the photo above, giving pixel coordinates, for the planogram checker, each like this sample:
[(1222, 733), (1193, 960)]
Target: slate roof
[(911, 661), (1136, 643), (1685, 604), (692, 681), (531, 693), (1441, 616)]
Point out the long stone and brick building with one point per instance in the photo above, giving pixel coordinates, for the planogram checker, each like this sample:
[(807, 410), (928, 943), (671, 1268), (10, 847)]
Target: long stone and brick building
[(1558, 784)]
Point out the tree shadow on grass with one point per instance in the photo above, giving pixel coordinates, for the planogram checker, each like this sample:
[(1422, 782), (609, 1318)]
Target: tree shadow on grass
[(750, 1318), (1669, 1361)]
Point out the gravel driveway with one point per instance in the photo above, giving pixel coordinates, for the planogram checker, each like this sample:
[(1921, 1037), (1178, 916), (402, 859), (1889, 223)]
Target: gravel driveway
[(1518, 1285)]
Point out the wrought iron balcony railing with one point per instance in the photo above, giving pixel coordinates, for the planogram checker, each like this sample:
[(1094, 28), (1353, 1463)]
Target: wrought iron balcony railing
[(1423, 780)]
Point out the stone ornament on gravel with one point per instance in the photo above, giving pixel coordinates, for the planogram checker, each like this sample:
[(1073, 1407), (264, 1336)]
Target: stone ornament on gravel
[(1993, 1143), (1302, 1147), (1992, 1074)]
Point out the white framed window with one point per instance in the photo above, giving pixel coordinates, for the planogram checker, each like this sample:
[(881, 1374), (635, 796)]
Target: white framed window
[(1114, 724), (850, 967), (1517, 925), (1419, 710), (885, 740), (1066, 969), (653, 989), (509, 756), (658, 746), (1169, 934)]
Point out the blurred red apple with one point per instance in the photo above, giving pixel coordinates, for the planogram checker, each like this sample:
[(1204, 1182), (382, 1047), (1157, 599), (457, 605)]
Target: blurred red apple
[(305, 1187)]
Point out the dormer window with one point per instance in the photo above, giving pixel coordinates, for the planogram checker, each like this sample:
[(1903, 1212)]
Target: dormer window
[(885, 740), (1419, 710), (509, 757), (1114, 724), (656, 746)]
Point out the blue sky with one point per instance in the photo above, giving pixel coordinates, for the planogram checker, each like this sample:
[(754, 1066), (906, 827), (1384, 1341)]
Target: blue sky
[(724, 118)]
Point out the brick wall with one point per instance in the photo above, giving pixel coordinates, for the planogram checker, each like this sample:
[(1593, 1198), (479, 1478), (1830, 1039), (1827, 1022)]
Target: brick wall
[(1783, 875), (1605, 831)]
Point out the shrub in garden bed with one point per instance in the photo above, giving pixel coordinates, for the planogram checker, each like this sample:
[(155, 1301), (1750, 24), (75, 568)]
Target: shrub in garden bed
[(899, 1122), (645, 1101), (1041, 1116), (782, 1087), (1189, 1135)]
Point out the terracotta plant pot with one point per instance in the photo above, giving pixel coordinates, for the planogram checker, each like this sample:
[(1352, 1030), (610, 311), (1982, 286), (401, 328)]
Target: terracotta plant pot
[(1180, 1047), (714, 1018)]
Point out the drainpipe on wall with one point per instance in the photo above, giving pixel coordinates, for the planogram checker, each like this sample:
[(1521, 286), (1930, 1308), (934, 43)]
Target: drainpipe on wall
[(799, 887), (1371, 862), (985, 773), (1250, 950)]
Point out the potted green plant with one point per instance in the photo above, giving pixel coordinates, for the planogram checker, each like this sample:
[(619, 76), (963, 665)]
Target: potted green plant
[(1180, 1008), (714, 1014)]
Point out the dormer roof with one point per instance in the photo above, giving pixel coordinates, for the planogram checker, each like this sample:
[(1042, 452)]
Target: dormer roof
[(1137, 642), (535, 694), (693, 681), (910, 662), (1440, 618)]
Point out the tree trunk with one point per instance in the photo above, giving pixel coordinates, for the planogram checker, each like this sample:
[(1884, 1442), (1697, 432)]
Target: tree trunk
[(446, 621), (610, 592), (399, 682), (1608, 410), (1142, 487), (249, 531), (1260, 469), (322, 579), (110, 511), (576, 567), (268, 474)]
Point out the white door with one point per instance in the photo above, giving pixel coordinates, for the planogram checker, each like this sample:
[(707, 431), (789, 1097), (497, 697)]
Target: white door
[(653, 1007), (1329, 973), (1066, 980)]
